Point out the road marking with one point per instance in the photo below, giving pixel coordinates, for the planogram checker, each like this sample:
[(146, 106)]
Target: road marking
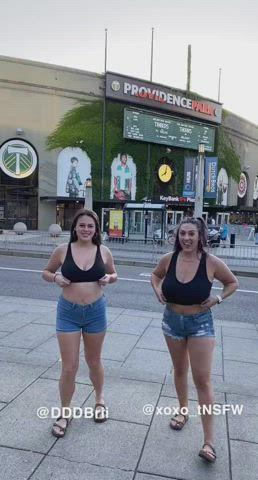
[(20, 270), (125, 279), (133, 280)]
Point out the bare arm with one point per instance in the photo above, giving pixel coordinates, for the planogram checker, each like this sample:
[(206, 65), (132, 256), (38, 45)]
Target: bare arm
[(50, 273), (111, 274), (222, 273), (158, 275), (226, 277)]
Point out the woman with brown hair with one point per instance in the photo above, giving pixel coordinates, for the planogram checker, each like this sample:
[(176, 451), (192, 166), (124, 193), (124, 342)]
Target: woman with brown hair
[(86, 266), (182, 281)]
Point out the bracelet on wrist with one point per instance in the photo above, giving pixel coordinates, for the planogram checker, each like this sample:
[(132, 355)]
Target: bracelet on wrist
[(54, 279), (219, 298)]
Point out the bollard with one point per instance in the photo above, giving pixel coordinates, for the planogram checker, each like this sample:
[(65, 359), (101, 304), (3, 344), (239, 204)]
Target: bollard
[(232, 240)]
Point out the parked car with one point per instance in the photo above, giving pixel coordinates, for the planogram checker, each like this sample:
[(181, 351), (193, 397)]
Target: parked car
[(214, 235)]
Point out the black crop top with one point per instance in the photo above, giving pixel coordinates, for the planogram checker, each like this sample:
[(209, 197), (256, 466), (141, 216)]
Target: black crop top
[(190, 293), (72, 272)]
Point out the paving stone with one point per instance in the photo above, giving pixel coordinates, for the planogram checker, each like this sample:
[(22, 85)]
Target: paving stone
[(53, 469), (218, 334), (117, 346), (29, 336), (241, 373), (156, 322), (141, 375), (31, 302), (111, 444), (17, 464), (126, 398), (240, 332), (46, 319), (217, 361), (15, 320), (244, 460), (2, 405), (49, 347), (243, 426), (15, 378), (114, 311), (143, 476), (3, 334), (153, 339), (129, 324), (227, 323), (149, 360), (241, 349), (141, 313), (175, 454), (20, 426), (20, 355)]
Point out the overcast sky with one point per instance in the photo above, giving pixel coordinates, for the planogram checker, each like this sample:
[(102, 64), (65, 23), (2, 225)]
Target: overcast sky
[(223, 34)]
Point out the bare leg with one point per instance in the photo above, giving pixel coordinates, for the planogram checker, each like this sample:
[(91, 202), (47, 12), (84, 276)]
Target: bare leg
[(69, 344), (92, 350), (179, 355), (201, 354)]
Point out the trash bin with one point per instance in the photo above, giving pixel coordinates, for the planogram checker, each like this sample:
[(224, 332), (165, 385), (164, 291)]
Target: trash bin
[(232, 240)]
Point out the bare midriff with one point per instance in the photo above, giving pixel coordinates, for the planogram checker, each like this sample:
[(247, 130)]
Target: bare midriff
[(186, 309), (83, 293)]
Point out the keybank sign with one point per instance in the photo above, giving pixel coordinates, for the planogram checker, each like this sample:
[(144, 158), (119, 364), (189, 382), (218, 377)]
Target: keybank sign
[(143, 93)]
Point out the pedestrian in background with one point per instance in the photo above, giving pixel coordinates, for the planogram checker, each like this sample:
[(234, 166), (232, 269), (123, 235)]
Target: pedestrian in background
[(182, 281), (224, 234), (256, 233), (86, 266)]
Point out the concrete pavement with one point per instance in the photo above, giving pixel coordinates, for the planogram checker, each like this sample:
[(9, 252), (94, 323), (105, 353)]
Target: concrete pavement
[(131, 445)]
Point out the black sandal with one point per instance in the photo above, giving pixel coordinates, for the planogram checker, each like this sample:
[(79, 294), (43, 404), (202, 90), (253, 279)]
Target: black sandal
[(208, 456), (62, 431), (178, 424), (100, 415)]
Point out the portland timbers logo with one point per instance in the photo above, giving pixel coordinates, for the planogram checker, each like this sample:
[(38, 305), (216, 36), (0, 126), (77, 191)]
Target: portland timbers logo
[(18, 159)]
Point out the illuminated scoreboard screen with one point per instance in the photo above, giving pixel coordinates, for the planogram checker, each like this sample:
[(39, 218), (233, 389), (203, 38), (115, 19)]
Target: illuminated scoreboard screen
[(177, 132)]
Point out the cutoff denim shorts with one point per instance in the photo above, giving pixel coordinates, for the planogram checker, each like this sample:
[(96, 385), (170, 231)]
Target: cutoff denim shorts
[(72, 317), (180, 327)]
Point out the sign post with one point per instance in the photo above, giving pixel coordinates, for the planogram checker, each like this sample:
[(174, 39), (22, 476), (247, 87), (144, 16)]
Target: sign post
[(198, 206)]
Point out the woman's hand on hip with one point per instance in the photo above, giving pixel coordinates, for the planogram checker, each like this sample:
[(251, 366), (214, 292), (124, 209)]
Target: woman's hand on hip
[(209, 302)]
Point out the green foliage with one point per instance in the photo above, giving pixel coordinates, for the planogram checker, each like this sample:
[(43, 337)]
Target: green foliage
[(228, 156), (82, 127)]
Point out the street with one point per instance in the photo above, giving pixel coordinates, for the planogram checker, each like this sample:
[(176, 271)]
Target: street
[(21, 277)]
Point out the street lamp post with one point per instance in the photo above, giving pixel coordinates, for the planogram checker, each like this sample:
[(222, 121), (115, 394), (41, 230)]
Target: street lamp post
[(88, 194), (198, 206)]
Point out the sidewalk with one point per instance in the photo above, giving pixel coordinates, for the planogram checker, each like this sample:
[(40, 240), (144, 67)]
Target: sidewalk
[(130, 445)]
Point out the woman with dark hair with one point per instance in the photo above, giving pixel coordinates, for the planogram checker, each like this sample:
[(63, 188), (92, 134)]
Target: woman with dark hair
[(182, 281), (86, 266)]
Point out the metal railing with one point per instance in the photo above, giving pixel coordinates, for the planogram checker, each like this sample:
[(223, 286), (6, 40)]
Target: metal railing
[(243, 253)]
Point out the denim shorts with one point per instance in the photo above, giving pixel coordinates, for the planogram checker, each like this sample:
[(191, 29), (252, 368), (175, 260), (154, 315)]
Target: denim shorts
[(180, 327), (72, 317)]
